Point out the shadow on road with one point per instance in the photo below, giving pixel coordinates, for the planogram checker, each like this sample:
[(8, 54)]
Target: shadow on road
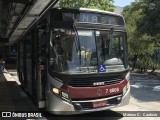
[(100, 115)]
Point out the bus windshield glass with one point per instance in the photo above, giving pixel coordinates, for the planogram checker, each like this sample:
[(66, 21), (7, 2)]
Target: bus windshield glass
[(84, 51)]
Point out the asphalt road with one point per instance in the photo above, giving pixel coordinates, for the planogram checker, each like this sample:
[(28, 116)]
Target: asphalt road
[(145, 96)]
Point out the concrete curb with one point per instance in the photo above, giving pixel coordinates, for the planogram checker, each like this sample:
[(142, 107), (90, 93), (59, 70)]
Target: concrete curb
[(9, 77)]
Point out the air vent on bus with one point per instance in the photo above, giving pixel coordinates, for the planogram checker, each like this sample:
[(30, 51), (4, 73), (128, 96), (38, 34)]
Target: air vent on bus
[(89, 81)]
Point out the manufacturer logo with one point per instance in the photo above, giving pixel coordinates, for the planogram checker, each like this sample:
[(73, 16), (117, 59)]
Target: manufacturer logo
[(99, 92), (98, 83)]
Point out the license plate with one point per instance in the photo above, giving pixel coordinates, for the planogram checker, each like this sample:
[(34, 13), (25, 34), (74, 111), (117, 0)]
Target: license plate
[(99, 104)]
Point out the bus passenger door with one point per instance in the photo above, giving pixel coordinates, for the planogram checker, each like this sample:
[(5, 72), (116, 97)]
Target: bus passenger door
[(21, 63), (41, 68), (28, 64)]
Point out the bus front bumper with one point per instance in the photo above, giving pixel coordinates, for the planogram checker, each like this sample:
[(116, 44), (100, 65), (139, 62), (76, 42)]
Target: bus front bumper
[(56, 105)]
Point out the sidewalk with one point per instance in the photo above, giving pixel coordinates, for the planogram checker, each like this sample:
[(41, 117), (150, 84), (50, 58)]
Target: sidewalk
[(12, 97), (11, 75), (6, 102)]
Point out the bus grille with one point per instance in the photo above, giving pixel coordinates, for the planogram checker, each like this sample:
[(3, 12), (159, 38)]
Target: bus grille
[(89, 81)]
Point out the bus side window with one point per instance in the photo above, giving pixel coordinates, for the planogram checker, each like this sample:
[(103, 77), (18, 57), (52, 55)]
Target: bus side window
[(56, 42), (42, 43)]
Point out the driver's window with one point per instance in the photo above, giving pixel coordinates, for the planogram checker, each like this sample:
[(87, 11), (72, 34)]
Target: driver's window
[(61, 48), (118, 45)]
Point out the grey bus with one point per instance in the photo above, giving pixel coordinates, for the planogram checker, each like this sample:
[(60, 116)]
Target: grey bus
[(75, 61)]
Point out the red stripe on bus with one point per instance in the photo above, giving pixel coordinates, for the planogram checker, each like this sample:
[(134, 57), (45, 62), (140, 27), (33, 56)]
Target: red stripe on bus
[(91, 92)]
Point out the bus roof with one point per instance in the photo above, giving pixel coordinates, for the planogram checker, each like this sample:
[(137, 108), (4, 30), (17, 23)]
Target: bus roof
[(99, 11), (92, 10)]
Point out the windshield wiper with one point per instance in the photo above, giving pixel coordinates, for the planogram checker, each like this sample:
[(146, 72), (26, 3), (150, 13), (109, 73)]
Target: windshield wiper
[(111, 33), (103, 48), (79, 51), (79, 46)]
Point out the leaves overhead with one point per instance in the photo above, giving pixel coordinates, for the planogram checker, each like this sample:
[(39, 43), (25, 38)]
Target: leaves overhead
[(143, 26), (150, 23), (98, 4)]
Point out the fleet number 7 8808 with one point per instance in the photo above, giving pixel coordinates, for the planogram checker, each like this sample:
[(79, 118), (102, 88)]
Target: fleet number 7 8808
[(112, 90)]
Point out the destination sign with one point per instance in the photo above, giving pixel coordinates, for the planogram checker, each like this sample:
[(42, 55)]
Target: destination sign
[(93, 18)]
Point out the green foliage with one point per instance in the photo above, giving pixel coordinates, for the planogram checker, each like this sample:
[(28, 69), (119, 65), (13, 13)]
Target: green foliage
[(141, 41), (150, 23), (98, 4)]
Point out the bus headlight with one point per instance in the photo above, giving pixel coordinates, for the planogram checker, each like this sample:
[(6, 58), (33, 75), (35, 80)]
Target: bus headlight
[(60, 93), (127, 77), (55, 90)]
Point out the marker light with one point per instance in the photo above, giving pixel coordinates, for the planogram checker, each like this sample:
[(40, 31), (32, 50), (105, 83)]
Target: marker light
[(55, 90)]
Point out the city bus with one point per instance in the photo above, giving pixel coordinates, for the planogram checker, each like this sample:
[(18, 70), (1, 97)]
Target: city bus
[(75, 61)]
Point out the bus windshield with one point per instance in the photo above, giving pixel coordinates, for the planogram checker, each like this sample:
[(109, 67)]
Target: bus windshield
[(83, 51)]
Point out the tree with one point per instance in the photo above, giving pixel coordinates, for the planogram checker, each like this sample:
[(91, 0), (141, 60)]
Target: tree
[(150, 22), (141, 43), (98, 4), (132, 15)]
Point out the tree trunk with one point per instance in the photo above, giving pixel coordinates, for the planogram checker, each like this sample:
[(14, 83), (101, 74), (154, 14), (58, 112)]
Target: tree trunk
[(153, 69), (134, 61)]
